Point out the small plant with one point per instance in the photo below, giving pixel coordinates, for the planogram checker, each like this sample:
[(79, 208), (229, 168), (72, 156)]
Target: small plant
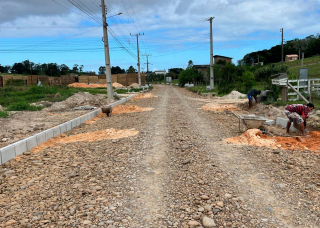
[(23, 106), (4, 114)]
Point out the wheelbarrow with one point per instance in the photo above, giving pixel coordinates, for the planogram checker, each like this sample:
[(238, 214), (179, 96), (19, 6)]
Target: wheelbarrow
[(107, 109), (251, 122)]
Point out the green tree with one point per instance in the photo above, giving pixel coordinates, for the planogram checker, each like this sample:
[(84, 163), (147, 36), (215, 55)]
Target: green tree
[(248, 80), (131, 69), (117, 70), (102, 70)]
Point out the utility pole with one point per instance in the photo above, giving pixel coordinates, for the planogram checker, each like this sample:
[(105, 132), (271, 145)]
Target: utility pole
[(106, 51), (211, 56), (281, 46), (139, 76), (147, 61)]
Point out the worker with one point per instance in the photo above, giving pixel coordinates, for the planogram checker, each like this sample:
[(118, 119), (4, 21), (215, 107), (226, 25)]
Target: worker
[(253, 93), (294, 113)]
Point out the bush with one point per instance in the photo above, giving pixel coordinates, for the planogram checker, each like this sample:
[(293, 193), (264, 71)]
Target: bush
[(15, 82), (4, 114), (23, 106)]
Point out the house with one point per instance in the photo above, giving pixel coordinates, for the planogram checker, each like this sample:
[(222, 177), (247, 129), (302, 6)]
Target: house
[(160, 72), (223, 58), (203, 69), (290, 58)]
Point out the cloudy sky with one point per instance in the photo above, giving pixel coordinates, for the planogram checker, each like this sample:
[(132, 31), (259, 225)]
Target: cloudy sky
[(175, 31)]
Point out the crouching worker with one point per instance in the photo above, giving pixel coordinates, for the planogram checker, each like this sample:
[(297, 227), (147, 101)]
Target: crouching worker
[(294, 113), (253, 93)]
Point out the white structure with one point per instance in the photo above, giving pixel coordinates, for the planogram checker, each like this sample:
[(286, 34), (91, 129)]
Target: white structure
[(160, 72)]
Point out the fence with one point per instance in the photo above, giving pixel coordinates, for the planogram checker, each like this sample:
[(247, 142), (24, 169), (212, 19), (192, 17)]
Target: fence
[(293, 88)]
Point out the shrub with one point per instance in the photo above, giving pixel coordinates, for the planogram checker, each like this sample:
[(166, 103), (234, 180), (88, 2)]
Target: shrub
[(4, 114), (23, 106)]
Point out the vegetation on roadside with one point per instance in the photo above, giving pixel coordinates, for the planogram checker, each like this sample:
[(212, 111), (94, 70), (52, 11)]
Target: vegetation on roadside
[(4, 114)]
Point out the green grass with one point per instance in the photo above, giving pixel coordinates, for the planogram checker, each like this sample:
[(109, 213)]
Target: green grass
[(4, 114), (18, 98)]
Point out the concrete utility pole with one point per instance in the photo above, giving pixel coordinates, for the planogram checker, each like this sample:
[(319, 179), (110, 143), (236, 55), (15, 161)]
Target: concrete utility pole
[(147, 61), (139, 76), (281, 46), (106, 51), (211, 56)]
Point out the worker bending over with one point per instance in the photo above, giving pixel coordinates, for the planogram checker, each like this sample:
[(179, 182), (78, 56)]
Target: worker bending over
[(294, 113)]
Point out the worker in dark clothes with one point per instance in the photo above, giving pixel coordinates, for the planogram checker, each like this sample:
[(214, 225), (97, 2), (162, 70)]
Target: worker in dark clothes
[(294, 113), (253, 93)]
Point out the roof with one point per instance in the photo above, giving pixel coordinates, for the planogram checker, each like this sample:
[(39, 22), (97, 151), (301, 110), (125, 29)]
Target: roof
[(293, 55), (199, 66), (222, 56)]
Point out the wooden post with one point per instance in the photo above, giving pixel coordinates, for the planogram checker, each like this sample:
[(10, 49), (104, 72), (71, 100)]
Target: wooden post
[(311, 87), (284, 93)]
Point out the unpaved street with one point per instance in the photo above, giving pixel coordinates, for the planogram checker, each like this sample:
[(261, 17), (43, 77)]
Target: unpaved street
[(176, 172)]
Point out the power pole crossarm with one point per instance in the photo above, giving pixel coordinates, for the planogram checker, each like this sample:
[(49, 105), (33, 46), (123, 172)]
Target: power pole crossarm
[(147, 61), (139, 76)]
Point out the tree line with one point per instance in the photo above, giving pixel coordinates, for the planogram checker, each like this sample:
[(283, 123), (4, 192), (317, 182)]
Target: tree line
[(55, 70), (309, 45)]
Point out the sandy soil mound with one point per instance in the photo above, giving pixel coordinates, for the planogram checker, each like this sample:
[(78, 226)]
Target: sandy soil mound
[(84, 85), (256, 138), (78, 99), (134, 85), (128, 109), (220, 107), (234, 95), (143, 96), (90, 137), (118, 85)]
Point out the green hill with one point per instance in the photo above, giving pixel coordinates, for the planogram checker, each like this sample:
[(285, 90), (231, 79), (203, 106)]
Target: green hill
[(312, 63)]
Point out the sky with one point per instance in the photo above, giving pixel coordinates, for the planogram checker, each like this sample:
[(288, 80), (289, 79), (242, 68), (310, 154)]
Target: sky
[(172, 32)]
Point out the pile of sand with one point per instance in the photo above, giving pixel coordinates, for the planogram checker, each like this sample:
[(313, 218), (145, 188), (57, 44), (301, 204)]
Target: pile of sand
[(256, 138), (89, 137), (270, 111), (143, 96), (84, 85), (128, 109), (76, 100), (93, 120), (118, 85), (234, 95), (134, 85), (219, 107)]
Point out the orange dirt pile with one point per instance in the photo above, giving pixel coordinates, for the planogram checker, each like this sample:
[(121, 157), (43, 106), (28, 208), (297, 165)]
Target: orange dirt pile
[(256, 138), (57, 114), (84, 85), (219, 107), (89, 137), (128, 109), (143, 96), (95, 118)]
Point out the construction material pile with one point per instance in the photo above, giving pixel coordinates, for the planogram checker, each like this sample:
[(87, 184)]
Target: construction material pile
[(134, 85), (128, 109), (256, 138), (143, 96), (118, 85), (84, 85), (234, 95), (219, 107), (89, 137)]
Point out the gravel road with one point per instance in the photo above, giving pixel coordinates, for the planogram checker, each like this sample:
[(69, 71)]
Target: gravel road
[(177, 172)]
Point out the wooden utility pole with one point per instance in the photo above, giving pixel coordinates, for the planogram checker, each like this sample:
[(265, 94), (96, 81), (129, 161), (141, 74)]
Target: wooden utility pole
[(139, 76)]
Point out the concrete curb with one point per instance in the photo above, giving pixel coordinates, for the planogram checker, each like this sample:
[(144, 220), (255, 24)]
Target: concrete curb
[(11, 151), (282, 122)]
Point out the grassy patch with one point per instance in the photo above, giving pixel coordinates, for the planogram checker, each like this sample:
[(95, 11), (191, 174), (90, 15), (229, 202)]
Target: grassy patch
[(18, 98), (4, 114)]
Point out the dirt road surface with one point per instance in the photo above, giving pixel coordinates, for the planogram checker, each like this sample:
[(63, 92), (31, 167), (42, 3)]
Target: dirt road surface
[(176, 172)]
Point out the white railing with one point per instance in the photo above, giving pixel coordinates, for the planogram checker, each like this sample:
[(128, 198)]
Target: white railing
[(304, 85)]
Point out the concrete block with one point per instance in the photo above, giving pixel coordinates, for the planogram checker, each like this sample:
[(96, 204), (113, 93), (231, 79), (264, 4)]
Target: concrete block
[(92, 115), (251, 115), (82, 119), (7, 153), (20, 147), (31, 142), (78, 121), (269, 122), (49, 134), (282, 122), (41, 137), (73, 123), (63, 128), (69, 125), (56, 131)]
